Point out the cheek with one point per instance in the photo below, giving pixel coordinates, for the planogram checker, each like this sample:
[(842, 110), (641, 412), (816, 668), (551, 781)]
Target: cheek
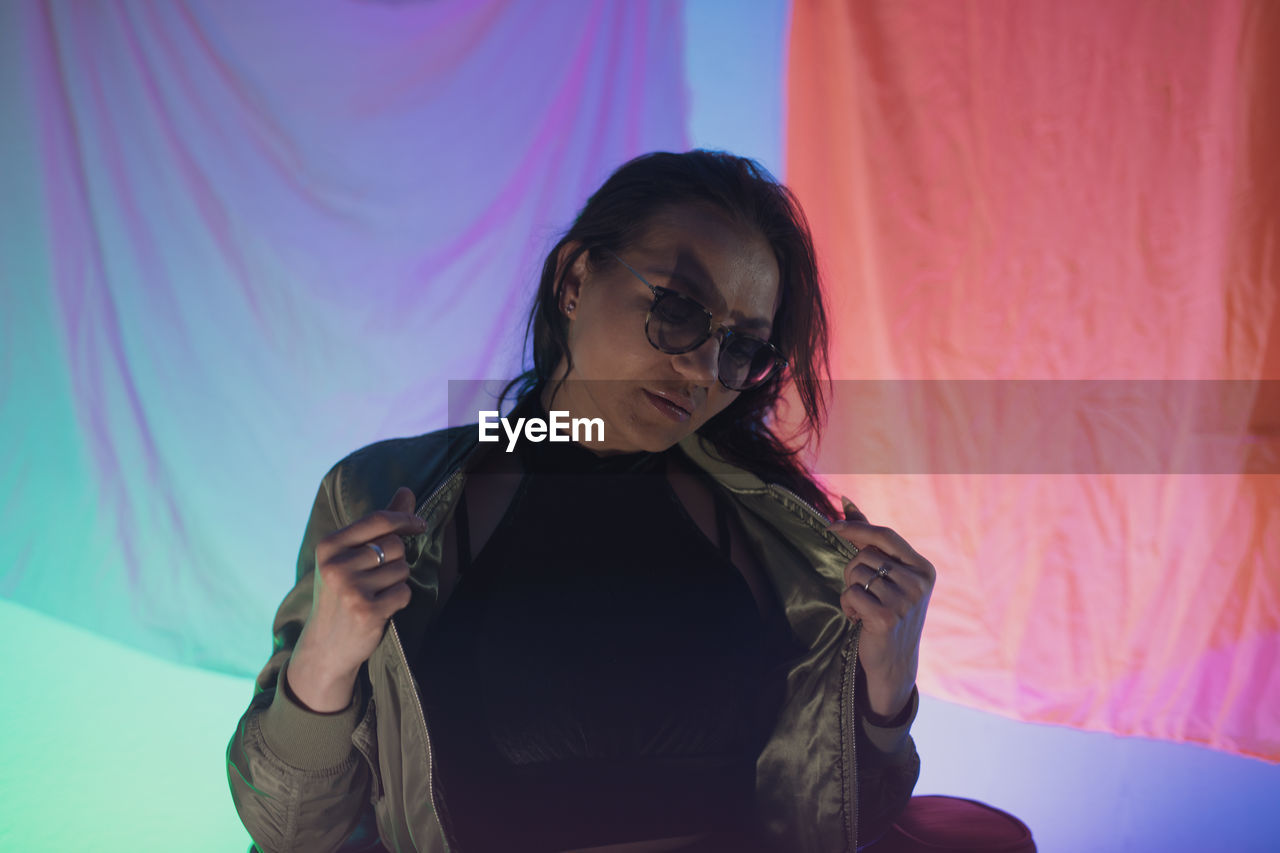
[(617, 351)]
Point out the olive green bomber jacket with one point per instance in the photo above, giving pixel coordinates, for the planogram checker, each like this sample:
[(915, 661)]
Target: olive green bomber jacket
[(304, 781)]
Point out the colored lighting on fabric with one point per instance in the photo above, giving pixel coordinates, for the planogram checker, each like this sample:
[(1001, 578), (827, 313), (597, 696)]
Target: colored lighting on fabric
[(1045, 191), (242, 240)]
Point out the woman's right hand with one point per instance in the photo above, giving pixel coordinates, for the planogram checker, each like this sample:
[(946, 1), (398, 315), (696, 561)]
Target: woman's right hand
[(353, 597)]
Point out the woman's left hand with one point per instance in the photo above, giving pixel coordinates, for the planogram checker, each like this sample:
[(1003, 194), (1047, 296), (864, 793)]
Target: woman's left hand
[(887, 588)]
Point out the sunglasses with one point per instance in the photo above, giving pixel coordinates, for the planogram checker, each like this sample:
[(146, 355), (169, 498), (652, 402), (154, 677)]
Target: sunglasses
[(677, 324)]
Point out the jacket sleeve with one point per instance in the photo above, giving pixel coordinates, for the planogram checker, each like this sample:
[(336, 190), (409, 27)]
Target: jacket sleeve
[(888, 766), (297, 780)]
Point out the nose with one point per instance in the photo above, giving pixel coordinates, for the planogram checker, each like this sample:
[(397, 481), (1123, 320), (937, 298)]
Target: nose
[(702, 363)]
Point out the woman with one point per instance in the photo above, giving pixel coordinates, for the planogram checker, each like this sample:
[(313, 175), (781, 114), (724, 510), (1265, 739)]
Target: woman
[(650, 640)]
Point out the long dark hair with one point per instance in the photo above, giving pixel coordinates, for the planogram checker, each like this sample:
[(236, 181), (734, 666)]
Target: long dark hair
[(618, 213)]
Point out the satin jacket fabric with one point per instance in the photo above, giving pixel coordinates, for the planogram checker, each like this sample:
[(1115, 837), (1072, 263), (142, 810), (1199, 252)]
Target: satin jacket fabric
[(304, 781)]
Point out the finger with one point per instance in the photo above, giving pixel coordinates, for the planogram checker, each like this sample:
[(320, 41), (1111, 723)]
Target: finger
[(375, 525), (376, 581), (392, 547), (393, 598), (886, 539), (860, 605), (866, 535), (402, 500), (858, 571), (884, 589), (362, 557), (871, 558), (911, 579)]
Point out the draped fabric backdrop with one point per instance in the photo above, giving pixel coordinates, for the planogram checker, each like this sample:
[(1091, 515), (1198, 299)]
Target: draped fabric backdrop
[(1038, 190), (239, 240)]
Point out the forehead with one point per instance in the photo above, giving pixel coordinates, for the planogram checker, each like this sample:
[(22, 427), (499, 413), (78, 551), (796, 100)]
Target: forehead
[(727, 266)]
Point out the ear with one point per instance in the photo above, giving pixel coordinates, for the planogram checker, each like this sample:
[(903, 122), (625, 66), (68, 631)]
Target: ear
[(571, 277)]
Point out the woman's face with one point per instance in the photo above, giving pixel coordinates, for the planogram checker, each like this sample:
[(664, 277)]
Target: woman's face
[(648, 399)]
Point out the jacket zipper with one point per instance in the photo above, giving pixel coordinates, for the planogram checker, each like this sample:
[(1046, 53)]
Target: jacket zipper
[(417, 701), (447, 480), (813, 509), (422, 718), (850, 678), (850, 674)]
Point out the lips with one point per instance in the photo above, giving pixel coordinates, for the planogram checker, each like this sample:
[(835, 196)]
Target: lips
[(675, 406)]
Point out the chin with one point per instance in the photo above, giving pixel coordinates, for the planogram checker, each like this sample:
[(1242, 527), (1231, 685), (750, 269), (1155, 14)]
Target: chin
[(652, 440), (649, 436), (655, 433), (636, 425)]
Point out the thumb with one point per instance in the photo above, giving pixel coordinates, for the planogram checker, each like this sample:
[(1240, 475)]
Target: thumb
[(402, 500), (851, 511)]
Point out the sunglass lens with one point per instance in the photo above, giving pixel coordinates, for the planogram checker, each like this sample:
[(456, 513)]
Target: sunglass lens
[(745, 362), (677, 324)]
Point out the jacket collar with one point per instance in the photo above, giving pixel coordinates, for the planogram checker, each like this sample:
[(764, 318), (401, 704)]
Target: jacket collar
[(704, 454)]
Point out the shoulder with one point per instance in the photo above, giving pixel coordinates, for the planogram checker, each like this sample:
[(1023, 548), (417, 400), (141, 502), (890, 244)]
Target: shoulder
[(704, 454), (367, 478), (775, 509)]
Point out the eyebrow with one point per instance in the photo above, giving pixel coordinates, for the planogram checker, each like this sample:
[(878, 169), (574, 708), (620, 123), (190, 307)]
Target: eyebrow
[(701, 293)]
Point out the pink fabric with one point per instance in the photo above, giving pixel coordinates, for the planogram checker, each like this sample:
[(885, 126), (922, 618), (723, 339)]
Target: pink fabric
[(1050, 191)]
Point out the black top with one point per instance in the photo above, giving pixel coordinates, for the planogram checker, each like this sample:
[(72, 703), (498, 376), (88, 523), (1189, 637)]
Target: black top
[(600, 673)]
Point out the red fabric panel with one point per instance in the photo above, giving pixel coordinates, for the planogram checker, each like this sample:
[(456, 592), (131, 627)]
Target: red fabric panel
[(1044, 190), (933, 823)]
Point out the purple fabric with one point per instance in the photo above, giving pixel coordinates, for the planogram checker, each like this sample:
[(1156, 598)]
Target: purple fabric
[(243, 239)]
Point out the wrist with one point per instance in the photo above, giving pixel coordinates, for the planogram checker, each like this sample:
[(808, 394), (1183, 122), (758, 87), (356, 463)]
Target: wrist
[(885, 694), (888, 702), (894, 718), (316, 689), (307, 737)]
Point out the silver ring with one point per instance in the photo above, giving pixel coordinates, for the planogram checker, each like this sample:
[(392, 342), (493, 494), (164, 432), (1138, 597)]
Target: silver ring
[(880, 572), (382, 556)]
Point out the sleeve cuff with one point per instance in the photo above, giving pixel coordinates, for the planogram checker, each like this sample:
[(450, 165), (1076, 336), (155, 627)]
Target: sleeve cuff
[(306, 739), (890, 735)]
